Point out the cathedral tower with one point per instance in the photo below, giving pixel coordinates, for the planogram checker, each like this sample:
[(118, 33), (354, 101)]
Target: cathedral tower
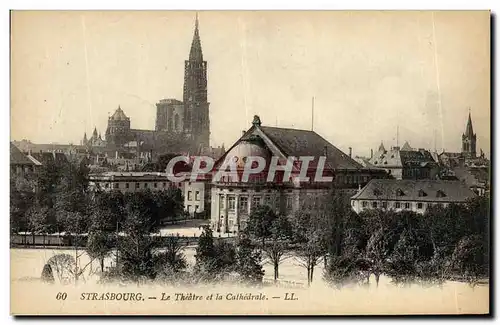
[(469, 140), (196, 106)]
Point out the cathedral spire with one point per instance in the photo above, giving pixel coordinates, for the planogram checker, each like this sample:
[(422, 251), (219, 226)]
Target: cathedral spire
[(469, 131), (195, 54)]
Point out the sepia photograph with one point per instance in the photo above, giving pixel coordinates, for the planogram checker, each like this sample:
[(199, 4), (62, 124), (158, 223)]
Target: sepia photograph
[(250, 162)]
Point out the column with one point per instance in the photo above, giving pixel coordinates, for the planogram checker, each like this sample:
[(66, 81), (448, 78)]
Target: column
[(236, 211), (226, 223)]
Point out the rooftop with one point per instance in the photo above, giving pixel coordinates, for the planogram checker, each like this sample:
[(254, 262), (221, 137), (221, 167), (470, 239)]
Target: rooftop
[(415, 190)]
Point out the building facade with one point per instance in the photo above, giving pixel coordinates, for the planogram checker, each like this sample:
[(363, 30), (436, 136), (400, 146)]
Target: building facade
[(233, 198), (170, 116), (130, 181), (405, 162), (411, 195)]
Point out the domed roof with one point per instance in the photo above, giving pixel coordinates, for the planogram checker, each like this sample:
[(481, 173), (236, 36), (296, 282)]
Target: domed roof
[(246, 149), (119, 115)]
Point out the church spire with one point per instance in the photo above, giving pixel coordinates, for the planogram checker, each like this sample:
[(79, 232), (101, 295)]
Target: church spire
[(195, 54), (469, 131)]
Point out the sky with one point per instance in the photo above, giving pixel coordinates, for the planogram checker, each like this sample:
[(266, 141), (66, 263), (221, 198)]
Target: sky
[(370, 73)]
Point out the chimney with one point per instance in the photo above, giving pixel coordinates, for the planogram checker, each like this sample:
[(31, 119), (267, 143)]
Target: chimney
[(116, 154), (371, 153), (350, 152), (325, 151)]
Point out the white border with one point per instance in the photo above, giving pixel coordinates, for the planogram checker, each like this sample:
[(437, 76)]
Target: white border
[(188, 5)]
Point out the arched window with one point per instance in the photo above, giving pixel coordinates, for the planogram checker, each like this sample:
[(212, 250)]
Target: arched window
[(176, 122)]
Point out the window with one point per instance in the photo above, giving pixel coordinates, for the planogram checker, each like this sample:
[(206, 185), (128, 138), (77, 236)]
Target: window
[(190, 195), (127, 185), (116, 185), (407, 205), (419, 205), (164, 184), (267, 200), (374, 204), (255, 201), (398, 205), (197, 195), (440, 193), (400, 192), (221, 202), (231, 203), (155, 185), (196, 208), (384, 205), (243, 204), (421, 193), (377, 192), (107, 185), (136, 185), (364, 204), (289, 202), (145, 185)]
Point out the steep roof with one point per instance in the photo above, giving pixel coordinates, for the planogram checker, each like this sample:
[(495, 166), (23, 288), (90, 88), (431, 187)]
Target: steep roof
[(406, 147), (294, 142), (17, 157), (415, 190), (387, 159), (57, 158), (469, 131), (118, 115), (196, 54), (416, 158)]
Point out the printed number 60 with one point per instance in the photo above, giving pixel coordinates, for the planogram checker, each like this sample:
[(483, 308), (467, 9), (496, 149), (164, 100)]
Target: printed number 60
[(61, 296)]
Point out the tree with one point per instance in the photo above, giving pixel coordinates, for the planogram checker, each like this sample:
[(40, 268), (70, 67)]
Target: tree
[(99, 246), (22, 198), (75, 224), (377, 253), (36, 218), (225, 258), (172, 260), (47, 275), (278, 250), (248, 261), (205, 254), (63, 265), (469, 259), (136, 248), (170, 204), (310, 252), (260, 222)]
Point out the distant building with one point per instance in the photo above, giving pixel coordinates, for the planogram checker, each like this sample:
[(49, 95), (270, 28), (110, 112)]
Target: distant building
[(197, 196), (405, 163), (469, 140), (130, 181), (189, 118), (20, 164), (95, 141), (170, 115), (411, 195)]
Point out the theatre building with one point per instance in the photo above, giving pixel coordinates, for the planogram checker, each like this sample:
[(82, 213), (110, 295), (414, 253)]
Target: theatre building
[(234, 197)]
